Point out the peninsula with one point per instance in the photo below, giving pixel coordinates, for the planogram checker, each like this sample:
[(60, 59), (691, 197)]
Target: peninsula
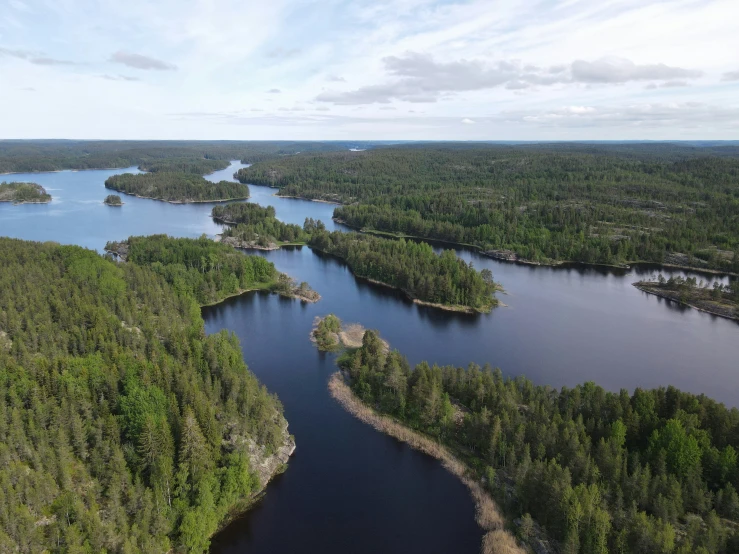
[(561, 466), (176, 187), (207, 270), (23, 193), (718, 299), (131, 425)]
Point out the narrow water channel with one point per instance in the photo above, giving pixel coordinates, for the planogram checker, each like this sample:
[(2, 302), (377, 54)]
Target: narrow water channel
[(349, 488)]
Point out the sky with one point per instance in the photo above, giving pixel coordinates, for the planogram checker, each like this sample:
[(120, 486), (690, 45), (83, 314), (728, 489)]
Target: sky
[(370, 69)]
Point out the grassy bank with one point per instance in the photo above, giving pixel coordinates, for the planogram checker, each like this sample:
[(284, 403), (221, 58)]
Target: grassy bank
[(496, 540)]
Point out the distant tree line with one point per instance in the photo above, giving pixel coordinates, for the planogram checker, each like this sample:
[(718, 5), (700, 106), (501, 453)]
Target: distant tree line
[(651, 472), (196, 166), (201, 157), (587, 203)]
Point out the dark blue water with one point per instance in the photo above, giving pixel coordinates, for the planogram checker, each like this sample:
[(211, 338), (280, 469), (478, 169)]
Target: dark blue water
[(348, 488)]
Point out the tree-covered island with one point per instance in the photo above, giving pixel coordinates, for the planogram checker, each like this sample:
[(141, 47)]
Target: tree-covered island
[(207, 270), (717, 298), (445, 281), (23, 193), (579, 471), (123, 426), (256, 227), (113, 200), (176, 187)]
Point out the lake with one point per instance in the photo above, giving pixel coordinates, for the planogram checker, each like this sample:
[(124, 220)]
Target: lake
[(349, 488)]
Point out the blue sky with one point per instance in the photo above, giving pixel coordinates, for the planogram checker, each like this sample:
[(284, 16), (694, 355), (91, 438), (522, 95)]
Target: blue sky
[(381, 69)]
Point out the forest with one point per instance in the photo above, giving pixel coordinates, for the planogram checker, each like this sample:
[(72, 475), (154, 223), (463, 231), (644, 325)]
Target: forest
[(602, 204), (196, 166), (113, 200), (123, 427), (201, 157), (176, 187), (22, 193), (412, 267), (594, 472), (200, 268), (444, 280), (715, 298), (257, 226)]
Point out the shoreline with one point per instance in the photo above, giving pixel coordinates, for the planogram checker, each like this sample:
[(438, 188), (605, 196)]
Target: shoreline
[(446, 307), (555, 264), (271, 466), (69, 169), (655, 292), (278, 195), (180, 201), (26, 202), (496, 539)]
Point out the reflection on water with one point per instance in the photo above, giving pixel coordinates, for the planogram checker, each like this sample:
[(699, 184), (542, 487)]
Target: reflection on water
[(562, 326)]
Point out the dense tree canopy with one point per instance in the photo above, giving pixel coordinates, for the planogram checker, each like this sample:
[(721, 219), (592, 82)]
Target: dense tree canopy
[(201, 268), (599, 204), (196, 166), (176, 187), (113, 200), (173, 155), (410, 266), (253, 224), (651, 472), (20, 193), (123, 427)]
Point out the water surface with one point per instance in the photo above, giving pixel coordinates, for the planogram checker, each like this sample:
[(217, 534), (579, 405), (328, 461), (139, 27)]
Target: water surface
[(349, 488)]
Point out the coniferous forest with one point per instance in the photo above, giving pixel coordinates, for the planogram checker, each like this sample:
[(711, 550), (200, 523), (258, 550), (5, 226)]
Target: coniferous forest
[(256, 225), (595, 471), (542, 203), (176, 187), (123, 427), (23, 193), (199, 268), (201, 157), (412, 267)]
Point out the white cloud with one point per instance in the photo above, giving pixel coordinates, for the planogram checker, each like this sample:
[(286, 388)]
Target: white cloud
[(36, 58), (468, 121), (555, 69), (138, 61), (420, 78)]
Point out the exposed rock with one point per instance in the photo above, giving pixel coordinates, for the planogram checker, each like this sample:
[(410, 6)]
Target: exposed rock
[(118, 249), (248, 244), (266, 466)]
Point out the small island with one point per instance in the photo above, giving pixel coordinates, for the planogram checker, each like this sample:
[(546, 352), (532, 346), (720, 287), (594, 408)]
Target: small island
[(176, 187), (717, 299), (113, 200), (330, 334), (23, 193)]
